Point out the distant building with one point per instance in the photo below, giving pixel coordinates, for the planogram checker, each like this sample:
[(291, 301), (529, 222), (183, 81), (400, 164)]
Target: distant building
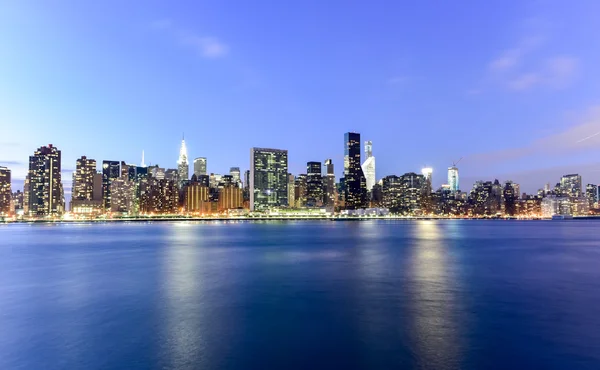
[(591, 193), (200, 166), (18, 200), (570, 185), (197, 198), (158, 196), (291, 191), (268, 178), (329, 184), (300, 190), (314, 184), (354, 179), (230, 197), (236, 175), (44, 190), (6, 203), (83, 180), (123, 193), (453, 179), (111, 170), (510, 197), (183, 167), (368, 166), (172, 174), (427, 173)]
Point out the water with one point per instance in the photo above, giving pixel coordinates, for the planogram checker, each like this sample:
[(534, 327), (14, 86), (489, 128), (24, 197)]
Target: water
[(301, 295)]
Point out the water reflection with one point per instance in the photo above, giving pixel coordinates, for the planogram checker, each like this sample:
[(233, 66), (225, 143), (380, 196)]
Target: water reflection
[(183, 291), (436, 305)]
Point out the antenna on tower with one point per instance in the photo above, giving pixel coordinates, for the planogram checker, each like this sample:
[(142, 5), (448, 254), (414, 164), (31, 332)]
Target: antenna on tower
[(454, 163)]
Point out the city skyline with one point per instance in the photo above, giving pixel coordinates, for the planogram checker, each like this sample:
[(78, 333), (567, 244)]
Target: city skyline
[(423, 95)]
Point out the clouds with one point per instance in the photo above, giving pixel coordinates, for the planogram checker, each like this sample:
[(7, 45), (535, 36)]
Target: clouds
[(531, 64), (582, 136), (208, 47)]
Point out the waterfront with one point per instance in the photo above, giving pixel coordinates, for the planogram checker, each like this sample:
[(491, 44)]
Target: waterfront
[(300, 295)]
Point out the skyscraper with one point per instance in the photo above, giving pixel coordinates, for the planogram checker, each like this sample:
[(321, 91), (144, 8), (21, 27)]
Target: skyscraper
[(291, 191), (43, 184), (427, 173), (453, 179), (591, 193), (236, 175), (268, 178), (570, 185), (183, 167), (330, 191), (200, 166), (314, 184), (368, 166), (354, 178), (83, 179), (110, 171), (5, 192)]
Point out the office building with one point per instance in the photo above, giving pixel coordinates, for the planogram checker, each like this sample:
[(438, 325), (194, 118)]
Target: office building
[(83, 179), (45, 196), (158, 196), (368, 166), (230, 197), (111, 170), (291, 191), (314, 185), (453, 179), (300, 190), (591, 193), (330, 189), (197, 198), (354, 179), (183, 167), (427, 173), (236, 175), (18, 200), (6, 202), (268, 178), (200, 166), (123, 194), (570, 185)]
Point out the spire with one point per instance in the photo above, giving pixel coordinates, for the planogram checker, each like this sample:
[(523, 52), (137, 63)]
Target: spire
[(182, 153), (143, 164)]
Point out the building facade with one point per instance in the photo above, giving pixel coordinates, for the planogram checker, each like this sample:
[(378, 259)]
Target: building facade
[(183, 167), (314, 185), (329, 184), (591, 193), (268, 178), (368, 166), (453, 179), (6, 203), (111, 170), (355, 185), (83, 179), (45, 196), (570, 185), (200, 166)]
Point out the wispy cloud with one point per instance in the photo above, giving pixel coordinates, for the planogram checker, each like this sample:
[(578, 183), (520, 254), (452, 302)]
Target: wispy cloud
[(206, 46), (583, 135)]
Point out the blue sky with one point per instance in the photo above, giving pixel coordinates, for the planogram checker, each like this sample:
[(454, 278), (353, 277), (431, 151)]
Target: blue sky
[(511, 86)]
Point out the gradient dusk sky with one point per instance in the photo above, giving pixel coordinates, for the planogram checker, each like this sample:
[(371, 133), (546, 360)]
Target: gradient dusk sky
[(511, 86)]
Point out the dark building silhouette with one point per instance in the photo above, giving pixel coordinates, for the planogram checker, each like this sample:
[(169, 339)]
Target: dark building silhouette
[(354, 179), (314, 184), (111, 170)]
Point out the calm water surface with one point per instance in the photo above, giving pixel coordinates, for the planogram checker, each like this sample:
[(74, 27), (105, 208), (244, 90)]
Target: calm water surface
[(301, 295)]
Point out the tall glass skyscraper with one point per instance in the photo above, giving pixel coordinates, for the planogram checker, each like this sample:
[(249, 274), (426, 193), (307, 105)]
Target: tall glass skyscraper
[(44, 189), (453, 179), (183, 167), (314, 184), (110, 172), (368, 166), (200, 166), (354, 178), (83, 179), (329, 185), (268, 178), (5, 191), (570, 185)]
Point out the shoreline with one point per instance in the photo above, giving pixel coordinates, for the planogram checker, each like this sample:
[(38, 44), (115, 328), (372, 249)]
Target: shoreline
[(275, 218)]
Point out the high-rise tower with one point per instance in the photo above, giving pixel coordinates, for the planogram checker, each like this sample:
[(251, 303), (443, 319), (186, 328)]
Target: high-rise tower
[(314, 184), (43, 184), (200, 166), (5, 192), (453, 178), (183, 167), (354, 177), (368, 166), (329, 184), (268, 178)]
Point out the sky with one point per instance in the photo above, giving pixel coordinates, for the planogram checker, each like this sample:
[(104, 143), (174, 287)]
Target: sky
[(511, 87)]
